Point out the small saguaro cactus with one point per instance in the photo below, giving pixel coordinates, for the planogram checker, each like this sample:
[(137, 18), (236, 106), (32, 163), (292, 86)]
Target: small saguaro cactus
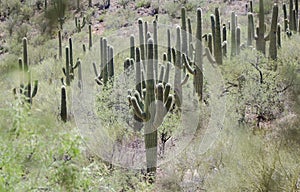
[(79, 26), (106, 64), (224, 40), (132, 47), (26, 91), (59, 45), (69, 69), (90, 37), (60, 7), (278, 35), (63, 106), (152, 111)]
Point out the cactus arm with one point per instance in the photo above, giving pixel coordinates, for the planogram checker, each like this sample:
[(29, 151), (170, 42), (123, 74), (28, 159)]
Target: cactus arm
[(95, 69), (161, 74), (35, 88), (185, 80), (187, 65), (169, 102), (137, 109), (209, 56), (167, 92), (167, 73)]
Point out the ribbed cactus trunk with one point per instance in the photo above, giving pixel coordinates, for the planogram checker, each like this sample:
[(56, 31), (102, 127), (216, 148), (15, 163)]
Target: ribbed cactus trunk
[(218, 42), (260, 41), (150, 131), (292, 27), (155, 39), (198, 77), (178, 63), (184, 36), (90, 37), (141, 39), (59, 45), (63, 108), (233, 35), (67, 69), (238, 40), (169, 53), (132, 47), (273, 34), (250, 30), (278, 35)]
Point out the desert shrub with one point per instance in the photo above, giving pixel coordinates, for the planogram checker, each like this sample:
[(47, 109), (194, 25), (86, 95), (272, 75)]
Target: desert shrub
[(143, 3)]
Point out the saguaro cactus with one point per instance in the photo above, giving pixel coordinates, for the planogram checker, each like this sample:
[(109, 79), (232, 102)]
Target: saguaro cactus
[(178, 67), (250, 29), (26, 76), (273, 32), (90, 37), (141, 39), (132, 47), (59, 45), (260, 37), (63, 107), (152, 111), (233, 34), (79, 25), (217, 37)]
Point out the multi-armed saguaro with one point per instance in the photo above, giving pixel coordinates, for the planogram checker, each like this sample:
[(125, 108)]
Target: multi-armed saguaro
[(26, 91), (153, 110)]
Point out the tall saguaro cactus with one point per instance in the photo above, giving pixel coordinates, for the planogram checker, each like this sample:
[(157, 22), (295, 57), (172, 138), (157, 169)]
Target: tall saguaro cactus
[(250, 29), (217, 37), (26, 76), (233, 34), (273, 32), (153, 110), (260, 37)]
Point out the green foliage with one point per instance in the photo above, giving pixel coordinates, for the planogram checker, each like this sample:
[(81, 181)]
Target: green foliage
[(143, 3)]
